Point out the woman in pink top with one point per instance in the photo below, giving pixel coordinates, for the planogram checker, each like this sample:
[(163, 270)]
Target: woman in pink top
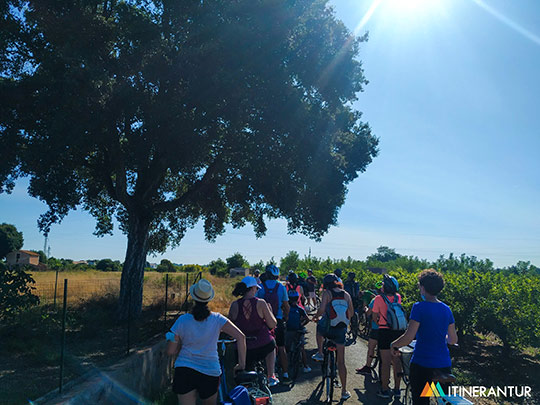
[(386, 337)]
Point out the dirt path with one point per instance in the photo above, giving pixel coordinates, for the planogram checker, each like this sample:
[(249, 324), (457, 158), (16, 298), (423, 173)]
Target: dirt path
[(305, 391)]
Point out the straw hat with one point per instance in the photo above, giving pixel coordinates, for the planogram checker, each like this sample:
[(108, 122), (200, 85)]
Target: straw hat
[(202, 291)]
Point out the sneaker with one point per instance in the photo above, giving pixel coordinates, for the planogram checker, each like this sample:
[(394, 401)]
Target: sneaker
[(307, 369), (345, 395), (384, 393), (317, 357), (364, 370), (285, 379), (273, 381), (397, 393)]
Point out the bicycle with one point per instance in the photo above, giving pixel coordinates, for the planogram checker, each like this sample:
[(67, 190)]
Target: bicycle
[(438, 378), (295, 353), (329, 368), (256, 383), (223, 389)]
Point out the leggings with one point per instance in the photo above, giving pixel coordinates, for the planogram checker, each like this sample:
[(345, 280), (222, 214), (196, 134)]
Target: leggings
[(419, 376)]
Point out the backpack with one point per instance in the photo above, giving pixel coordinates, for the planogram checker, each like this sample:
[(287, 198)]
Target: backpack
[(294, 322), (272, 297), (338, 309), (395, 314)]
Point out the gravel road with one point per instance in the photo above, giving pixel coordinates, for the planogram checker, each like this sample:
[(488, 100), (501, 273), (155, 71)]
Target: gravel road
[(306, 390)]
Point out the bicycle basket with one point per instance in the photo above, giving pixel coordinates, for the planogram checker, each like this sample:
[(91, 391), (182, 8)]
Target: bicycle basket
[(406, 355)]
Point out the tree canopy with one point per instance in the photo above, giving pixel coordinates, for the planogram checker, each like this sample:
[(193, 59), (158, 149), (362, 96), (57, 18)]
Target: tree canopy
[(384, 254), (10, 239), (161, 114)]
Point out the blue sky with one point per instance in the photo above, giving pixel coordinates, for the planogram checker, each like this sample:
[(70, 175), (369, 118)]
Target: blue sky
[(453, 96)]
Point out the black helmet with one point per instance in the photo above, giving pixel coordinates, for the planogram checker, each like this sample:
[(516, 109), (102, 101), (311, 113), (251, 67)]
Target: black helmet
[(330, 278), (351, 275), (337, 272), (390, 284), (292, 277)]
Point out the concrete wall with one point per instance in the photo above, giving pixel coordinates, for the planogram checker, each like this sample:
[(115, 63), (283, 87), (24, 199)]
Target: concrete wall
[(136, 380)]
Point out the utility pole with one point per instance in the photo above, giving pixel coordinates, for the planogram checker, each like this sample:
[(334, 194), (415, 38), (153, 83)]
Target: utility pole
[(45, 246)]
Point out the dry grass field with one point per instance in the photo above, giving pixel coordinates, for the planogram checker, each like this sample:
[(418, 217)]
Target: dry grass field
[(93, 284)]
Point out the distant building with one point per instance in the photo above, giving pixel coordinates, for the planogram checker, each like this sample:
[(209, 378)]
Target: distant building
[(80, 262), (153, 265), (377, 270), (238, 271), (22, 258)]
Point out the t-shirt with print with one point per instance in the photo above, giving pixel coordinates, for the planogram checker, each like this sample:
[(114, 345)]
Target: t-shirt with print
[(379, 307), (281, 291), (199, 343), (431, 349)]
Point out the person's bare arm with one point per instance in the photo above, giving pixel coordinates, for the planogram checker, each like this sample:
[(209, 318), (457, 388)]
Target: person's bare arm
[(324, 302), (264, 310), (286, 308), (452, 335), (350, 307), (174, 347), (233, 311), (408, 336), (231, 329)]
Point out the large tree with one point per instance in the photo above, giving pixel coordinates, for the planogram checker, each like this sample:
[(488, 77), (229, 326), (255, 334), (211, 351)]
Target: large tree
[(10, 239), (166, 113)]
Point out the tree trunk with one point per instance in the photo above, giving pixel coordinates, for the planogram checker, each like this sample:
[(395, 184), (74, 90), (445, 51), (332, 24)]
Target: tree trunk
[(131, 285)]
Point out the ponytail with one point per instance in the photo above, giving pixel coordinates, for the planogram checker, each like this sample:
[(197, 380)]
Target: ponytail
[(240, 289), (200, 311)]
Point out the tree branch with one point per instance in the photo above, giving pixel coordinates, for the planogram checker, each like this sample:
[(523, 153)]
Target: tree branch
[(196, 187)]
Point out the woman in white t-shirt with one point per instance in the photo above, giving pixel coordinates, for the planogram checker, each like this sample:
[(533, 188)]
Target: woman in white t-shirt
[(194, 337)]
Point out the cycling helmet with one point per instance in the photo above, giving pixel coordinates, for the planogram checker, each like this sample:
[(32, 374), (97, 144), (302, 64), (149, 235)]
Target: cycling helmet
[(378, 285), (293, 294), (257, 272), (390, 284), (338, 272), (272, 269), (351, 276), (292, 277), (302, 275), (330, 278)]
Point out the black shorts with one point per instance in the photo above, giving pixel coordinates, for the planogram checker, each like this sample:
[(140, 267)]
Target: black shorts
[(259, 353), (280, 333), (387, 336), (186, 380), (374, 334)]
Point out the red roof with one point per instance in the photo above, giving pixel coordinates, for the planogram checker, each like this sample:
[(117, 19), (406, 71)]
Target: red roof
[(29, 252)]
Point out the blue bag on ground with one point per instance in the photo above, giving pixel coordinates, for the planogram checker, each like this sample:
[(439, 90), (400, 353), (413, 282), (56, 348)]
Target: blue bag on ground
[(239, 396)]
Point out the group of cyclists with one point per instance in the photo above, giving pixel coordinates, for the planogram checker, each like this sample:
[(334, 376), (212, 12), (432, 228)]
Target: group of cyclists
[(267, 313)]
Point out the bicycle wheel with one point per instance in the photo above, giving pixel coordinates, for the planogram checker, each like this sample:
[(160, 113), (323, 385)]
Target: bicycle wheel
[(294, 362), (407, 400), (331, 376), (376, 369)]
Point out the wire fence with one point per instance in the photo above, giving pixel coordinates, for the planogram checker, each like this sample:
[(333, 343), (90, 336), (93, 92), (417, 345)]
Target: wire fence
[(83, 310)]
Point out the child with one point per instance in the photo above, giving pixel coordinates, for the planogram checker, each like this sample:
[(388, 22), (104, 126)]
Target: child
[(297, 320)]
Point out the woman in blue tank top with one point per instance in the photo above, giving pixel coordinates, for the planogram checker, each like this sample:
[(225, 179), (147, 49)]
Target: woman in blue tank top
[(433, 325)]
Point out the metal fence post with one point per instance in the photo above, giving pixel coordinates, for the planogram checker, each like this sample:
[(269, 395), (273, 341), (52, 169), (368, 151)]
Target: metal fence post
[(166, 297), (55, 287), (63, 346)]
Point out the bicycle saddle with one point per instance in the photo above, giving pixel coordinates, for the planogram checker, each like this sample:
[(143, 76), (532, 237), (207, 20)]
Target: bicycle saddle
[(443, 378), (246, 377)]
